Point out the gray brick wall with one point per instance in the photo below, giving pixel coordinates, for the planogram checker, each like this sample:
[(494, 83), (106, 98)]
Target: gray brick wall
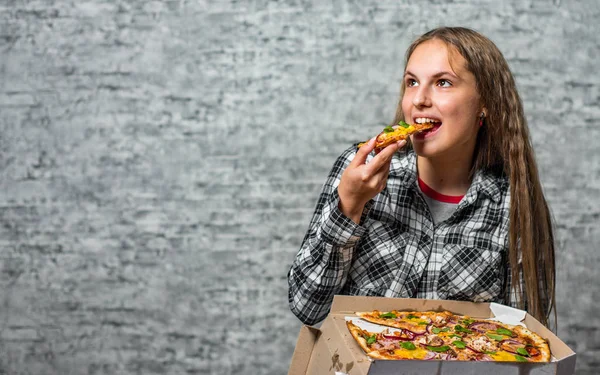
[(137, 238)]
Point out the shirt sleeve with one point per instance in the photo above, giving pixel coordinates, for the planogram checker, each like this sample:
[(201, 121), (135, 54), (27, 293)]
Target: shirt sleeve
[(321, 266)]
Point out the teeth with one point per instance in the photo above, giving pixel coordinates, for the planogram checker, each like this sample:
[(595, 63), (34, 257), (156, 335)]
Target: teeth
[(422, 120)]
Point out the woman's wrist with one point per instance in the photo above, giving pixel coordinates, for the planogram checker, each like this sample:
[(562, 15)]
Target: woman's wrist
[(352, 211)]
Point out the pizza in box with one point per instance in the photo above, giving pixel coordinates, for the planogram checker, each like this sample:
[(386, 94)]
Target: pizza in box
[(443, 335)]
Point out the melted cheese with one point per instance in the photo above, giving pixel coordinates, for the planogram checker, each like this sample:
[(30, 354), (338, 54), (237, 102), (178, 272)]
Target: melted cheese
[(503, 356), (411, 354), (445, 335)]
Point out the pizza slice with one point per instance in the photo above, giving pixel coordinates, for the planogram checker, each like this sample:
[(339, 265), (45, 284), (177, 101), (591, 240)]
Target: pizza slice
[(402, 131), (388, 345), (417, 322), (505, 342)]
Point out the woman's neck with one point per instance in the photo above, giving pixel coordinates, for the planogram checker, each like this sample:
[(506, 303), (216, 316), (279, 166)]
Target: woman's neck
[(445, 176)]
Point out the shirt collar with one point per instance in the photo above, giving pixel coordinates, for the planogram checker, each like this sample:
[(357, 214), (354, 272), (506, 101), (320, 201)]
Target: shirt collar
[(404, 166)]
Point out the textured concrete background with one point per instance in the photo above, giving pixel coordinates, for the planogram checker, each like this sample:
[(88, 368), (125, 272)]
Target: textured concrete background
[(138, 237)]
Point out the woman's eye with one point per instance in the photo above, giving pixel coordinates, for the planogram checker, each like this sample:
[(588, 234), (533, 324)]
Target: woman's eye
[(411, 82), (444, 83)]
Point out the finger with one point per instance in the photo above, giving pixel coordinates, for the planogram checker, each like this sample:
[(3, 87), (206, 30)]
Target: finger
[(361, 155), (378, 181), (384, 158), (383, 180), (382, 173), (390, 153)]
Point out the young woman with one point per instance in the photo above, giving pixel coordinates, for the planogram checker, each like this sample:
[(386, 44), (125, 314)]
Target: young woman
[(458, 213)]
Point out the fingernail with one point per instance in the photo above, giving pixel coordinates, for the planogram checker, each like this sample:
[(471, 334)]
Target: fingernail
[(401, 143)]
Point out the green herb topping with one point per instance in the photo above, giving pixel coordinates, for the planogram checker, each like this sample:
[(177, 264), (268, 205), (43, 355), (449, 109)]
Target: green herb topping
[(388, 315), (371, 339), (459, 328), (459, 344), (505, 332), (408, 345), (438, 349), (495, 337)]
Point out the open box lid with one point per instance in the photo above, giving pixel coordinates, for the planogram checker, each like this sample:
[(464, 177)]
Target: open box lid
[(333, 350)]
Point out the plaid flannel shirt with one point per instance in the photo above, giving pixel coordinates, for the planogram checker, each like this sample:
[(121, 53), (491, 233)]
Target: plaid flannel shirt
[(397, 251)]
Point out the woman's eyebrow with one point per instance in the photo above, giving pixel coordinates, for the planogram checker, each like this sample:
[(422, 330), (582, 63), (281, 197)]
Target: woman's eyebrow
[(436, 75)]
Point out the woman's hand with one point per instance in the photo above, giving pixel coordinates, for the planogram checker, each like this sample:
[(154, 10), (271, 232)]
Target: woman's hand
[(361, 182)]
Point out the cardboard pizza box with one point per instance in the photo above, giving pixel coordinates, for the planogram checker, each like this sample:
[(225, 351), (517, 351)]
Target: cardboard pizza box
[(331, 349)]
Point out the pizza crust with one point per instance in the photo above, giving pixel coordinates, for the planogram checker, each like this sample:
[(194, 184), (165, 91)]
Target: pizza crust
[(539, 342), (357, 334)]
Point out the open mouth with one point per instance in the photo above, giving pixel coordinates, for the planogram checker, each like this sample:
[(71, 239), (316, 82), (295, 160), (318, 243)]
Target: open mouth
[(423, 120)]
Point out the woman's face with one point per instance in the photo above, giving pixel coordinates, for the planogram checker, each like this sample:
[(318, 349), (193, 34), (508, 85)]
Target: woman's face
[(447, 94)]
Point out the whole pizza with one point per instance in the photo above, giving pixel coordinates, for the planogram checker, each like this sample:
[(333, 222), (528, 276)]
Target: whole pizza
[(447, 336)]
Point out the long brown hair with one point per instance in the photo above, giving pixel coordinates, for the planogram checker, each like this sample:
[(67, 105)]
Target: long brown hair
[(504, 146)]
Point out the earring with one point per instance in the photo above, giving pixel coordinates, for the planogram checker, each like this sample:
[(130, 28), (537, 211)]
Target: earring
[(481, 117)]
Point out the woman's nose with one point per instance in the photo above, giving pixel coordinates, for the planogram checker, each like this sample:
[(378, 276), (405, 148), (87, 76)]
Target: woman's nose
[(422, 98)]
